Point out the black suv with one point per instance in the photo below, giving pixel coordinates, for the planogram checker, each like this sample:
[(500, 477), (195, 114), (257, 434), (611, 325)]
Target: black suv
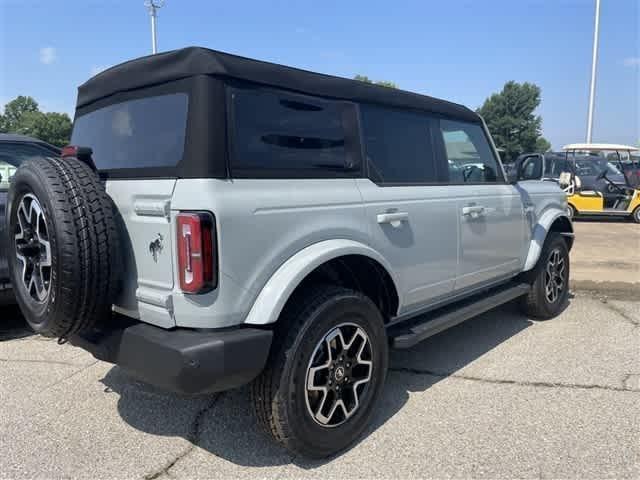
[(14, 149)]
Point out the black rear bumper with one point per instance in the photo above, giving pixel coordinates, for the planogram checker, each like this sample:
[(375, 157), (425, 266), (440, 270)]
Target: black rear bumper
[(183, 360)]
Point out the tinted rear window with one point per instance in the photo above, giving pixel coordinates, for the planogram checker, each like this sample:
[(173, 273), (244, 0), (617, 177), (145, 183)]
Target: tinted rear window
[(279, 131), (142, 133)]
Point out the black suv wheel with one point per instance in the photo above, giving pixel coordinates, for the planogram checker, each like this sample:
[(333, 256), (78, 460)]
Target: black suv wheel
[(325, 373), (549, 280)]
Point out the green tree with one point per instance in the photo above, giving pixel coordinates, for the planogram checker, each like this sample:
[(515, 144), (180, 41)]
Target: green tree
[(382, 83), (23, 116), (542, 145), (511, 120), (14, 111)]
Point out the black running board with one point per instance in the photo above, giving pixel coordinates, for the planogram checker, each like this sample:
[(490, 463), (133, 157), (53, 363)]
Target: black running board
[(411, 332)]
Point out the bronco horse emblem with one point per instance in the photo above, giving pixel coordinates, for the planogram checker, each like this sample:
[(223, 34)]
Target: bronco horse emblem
[(156, 247)]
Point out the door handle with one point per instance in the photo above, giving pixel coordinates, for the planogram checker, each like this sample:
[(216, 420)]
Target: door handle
[(473, 211), (394, 218)]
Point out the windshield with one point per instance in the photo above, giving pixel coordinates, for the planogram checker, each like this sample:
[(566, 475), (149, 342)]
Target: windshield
[(591, 166)]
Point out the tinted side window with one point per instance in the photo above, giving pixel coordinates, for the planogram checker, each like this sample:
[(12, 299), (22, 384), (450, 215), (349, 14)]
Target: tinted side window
[(13, 154), (560, 166), (398, 146), (469, 154), (281, 133), (16, 153)]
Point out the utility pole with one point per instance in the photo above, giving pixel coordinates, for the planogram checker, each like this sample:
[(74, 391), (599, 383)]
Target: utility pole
[(594, 67), (153, 5)]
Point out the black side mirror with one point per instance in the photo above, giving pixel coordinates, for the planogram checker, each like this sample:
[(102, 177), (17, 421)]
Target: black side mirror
[(531, 167)]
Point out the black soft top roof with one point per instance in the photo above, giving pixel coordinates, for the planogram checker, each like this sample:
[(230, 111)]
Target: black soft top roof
[(191, 61)]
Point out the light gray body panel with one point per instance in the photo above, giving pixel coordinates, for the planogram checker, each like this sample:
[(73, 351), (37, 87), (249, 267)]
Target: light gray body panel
[(260, 225), (544, 204), (413, 246), (492, 232), (144, 207), (272, 233)]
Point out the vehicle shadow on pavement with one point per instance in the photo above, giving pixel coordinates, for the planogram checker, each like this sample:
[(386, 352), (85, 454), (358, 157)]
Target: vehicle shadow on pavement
[(224, 425), (13, 324)]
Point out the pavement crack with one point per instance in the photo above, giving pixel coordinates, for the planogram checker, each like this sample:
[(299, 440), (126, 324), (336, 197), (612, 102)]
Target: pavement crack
[(48, 362), (193, 437), (620, 312), (498, 381), (67, 377)]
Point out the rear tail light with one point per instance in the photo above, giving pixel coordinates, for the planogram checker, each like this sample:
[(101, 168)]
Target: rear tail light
[(69, 151), (82, 153), (196, 252)]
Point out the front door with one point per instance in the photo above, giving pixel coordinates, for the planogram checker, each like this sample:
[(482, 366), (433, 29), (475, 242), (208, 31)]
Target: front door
[(491, 233), (489, 211)]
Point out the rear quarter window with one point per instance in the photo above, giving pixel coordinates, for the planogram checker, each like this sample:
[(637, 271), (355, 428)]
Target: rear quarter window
[(280, 134), (141, 133)]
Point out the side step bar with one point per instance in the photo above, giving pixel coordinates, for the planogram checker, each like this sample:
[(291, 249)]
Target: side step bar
[(428, 324)]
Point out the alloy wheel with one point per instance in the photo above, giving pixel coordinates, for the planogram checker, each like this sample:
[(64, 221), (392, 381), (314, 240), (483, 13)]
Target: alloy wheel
[(338, 375), (33, 249), (555, 276)]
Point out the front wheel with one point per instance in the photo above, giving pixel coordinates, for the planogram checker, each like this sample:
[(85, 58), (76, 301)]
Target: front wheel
[(549, 280), (571, 212), (325, 373), (636, 215)]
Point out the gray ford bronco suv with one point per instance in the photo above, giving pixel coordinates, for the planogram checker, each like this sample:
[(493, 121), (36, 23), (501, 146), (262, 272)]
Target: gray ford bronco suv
[(220, 221)]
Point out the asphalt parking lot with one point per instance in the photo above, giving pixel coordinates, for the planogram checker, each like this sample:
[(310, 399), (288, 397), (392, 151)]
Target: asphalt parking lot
[(500, 396), (606, 257)]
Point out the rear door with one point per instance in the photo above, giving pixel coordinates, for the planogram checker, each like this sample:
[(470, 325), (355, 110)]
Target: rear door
[(131, 140), (490, 212), (412, 219)]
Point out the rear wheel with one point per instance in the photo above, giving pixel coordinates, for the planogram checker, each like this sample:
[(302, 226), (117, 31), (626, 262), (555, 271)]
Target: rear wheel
[(549, 280), (325, 373), (571, 211), (636, 215)]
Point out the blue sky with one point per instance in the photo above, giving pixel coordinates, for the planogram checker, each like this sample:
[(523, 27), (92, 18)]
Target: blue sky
[(459, 50)]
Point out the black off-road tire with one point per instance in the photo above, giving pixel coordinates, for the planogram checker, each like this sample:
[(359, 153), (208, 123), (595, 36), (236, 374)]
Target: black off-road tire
[(279, 393), (536, 303), (85, 250)]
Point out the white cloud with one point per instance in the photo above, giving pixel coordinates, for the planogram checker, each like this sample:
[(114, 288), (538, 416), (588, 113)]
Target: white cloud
[(97, 69), (631, 62), (47, 55)]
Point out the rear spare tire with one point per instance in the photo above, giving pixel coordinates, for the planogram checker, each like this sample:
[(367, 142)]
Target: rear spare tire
[(63, 246)]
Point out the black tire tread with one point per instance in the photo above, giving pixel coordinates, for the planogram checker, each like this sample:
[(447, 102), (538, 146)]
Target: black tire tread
[(89, 266), (269, 407), (532, 304)]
